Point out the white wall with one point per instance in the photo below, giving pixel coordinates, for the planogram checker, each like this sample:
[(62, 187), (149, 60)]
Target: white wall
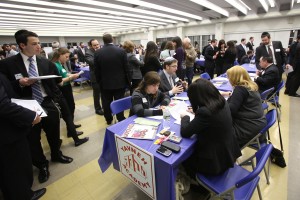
[(208, 29)]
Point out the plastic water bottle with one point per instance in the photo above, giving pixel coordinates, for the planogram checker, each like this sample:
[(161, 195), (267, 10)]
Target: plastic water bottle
[(166, 118)]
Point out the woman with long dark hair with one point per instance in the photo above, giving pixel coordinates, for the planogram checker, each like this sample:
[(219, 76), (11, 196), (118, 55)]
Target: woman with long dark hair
[(148, 96), (151, 59), (217, 148), (180, 57), (229, 56), (220, 57)]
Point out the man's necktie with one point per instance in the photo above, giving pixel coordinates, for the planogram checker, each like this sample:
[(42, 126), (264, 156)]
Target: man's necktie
[(171, 81), (36, 88), (270, 51)]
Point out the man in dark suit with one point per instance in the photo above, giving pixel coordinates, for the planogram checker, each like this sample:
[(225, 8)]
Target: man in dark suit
[(250, 44), (169, 82), (272, 49), (16, 175), (89, 58), (241, 50), (210, 57), (80, 51), (112, 75), (269, 76), (17, 69)]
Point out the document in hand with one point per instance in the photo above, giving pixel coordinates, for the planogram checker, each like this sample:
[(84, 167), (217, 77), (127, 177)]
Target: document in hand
[(31, 105), (43, 77), (288, 70)]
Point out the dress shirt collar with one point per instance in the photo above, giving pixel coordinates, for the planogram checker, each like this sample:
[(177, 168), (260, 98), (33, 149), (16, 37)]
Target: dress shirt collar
[(167, 74), (26, 61)]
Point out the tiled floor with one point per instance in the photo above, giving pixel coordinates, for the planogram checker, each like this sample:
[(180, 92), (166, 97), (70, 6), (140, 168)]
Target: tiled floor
[(83, 180)]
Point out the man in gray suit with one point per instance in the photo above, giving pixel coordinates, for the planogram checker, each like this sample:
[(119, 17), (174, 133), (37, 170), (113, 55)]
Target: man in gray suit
[(89, 59), (170, 84)]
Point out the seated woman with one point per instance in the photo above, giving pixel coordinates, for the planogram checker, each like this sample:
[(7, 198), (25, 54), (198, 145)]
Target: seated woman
[(217, 148), (148, 96), (245, 105)]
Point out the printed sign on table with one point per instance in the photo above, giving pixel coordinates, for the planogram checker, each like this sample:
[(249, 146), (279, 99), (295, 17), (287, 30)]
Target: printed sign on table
[(137, 165)]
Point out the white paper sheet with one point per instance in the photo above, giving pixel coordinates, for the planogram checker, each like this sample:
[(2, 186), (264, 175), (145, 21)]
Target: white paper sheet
[(31, 105), (43, 77)]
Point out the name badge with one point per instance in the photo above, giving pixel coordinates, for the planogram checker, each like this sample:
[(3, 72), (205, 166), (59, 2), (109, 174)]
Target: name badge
[(18, 76), (144, 100), (277, 50), (63, 70), (176, 79)]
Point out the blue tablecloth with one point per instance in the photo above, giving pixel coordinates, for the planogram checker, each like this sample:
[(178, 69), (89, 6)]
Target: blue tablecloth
[(200, 61), (251, 68), (165, 167)]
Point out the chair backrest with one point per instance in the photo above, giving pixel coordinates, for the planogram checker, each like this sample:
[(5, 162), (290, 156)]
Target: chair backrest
[(262, 156), (120, 105), (280, 86), (264, 95), (86, 74), (205, 76), (271, 119)]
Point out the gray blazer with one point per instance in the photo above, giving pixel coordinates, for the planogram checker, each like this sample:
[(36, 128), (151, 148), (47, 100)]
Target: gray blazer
[(134, 66), (165, 86)]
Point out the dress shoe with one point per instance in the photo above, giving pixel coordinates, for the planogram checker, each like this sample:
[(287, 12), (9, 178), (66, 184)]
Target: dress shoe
[(62, 159), (77, 125), (77, 132), (38, 194), (99, 112), (108, 122), (43, 174), (295, 95), (81, 141)]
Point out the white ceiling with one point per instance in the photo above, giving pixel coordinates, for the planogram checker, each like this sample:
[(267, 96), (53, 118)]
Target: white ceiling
[(94, 17)]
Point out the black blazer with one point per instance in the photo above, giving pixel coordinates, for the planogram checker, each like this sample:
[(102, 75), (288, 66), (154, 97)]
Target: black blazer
[(111, 67), (217, 149), (15, 121), (14, 65), (209, 53), (151, 64), (240, 52), (164, 85), (89, 59), (278, 51), (80, 54), (269, 79), (250, 45)]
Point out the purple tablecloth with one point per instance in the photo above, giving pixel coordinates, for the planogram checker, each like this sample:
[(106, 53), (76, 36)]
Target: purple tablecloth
[(200, 61), (165, 167), (251, 68)]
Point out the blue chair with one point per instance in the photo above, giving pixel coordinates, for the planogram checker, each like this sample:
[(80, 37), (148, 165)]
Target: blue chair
[(237, 182), (235, 63), (205, 76), (264, 97), (84, 78), (255, 144), (120, 105)]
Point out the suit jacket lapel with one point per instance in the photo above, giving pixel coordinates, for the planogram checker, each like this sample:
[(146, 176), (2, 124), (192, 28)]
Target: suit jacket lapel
[(39, 66)]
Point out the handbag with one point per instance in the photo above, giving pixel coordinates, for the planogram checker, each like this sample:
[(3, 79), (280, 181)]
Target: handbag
[(277, 158)]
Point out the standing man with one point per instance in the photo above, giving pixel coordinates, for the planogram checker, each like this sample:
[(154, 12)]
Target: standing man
[(9, 51), (250, 44), (112, 75), (241, 50), (16, 176), (272, 49), (55, 46), (17, 69), (89, 58), (210, 57), (190, 57), (80, 51)]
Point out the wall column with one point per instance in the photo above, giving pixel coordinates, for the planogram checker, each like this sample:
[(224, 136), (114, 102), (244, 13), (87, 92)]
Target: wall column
[(219, 31), (180, 32), (62, 41), (152, 35)]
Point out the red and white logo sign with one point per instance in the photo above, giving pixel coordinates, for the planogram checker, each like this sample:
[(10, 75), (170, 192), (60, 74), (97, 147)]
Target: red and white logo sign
[(137, 165)]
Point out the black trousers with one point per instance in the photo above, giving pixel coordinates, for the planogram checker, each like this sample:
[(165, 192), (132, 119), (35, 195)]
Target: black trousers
[(135, 84), (67, 92), (210, 70), (107, 97), (50, 125), (16, 175), (96, 96)]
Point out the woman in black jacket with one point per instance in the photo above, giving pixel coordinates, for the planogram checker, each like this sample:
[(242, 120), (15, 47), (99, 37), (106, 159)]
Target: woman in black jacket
[(217, 148), (151, 59)]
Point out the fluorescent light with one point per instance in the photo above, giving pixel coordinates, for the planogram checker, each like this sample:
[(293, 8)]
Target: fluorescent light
[(264, 5), (272, 3), (298, 1), (211, 6), (89, 9), (238, 6), (158, 7), (126, 8), (245, 4)]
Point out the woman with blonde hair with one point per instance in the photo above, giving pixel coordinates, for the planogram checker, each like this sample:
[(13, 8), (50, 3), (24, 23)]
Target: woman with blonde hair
[(245, 105)]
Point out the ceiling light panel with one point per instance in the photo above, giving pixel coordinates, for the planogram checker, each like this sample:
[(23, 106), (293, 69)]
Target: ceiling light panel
[(238, 5), (211, 6), (264, 5), (272, 3)]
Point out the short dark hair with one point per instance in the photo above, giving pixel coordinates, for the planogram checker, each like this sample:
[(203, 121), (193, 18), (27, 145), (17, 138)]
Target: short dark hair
[(203, 93), (213, 41), (243, 39), (249, 52), (107, 38), (150, 78), (269, 59), (265, 34), (90, 42), (22, 35), (251, 38)]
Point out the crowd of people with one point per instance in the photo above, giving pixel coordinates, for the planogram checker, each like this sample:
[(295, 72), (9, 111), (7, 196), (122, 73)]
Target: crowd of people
[(152, 76)]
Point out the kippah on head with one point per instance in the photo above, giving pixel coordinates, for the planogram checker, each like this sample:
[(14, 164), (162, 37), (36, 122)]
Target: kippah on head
[(169, 59)]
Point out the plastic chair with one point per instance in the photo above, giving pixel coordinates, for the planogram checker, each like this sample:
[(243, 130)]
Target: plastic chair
[(254, 143), (205, 76), (274, 99), (120, 105), (237, 182), (84, 78), (264, 97)]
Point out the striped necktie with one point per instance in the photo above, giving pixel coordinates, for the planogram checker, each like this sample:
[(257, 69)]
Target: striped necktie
[(36, 88)]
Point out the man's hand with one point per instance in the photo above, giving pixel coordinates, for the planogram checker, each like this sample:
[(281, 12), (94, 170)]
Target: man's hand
[(177, 89), (37, 119), (26, 82)]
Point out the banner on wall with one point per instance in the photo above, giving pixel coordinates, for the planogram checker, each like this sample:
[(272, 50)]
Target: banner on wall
[(137, 165)]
